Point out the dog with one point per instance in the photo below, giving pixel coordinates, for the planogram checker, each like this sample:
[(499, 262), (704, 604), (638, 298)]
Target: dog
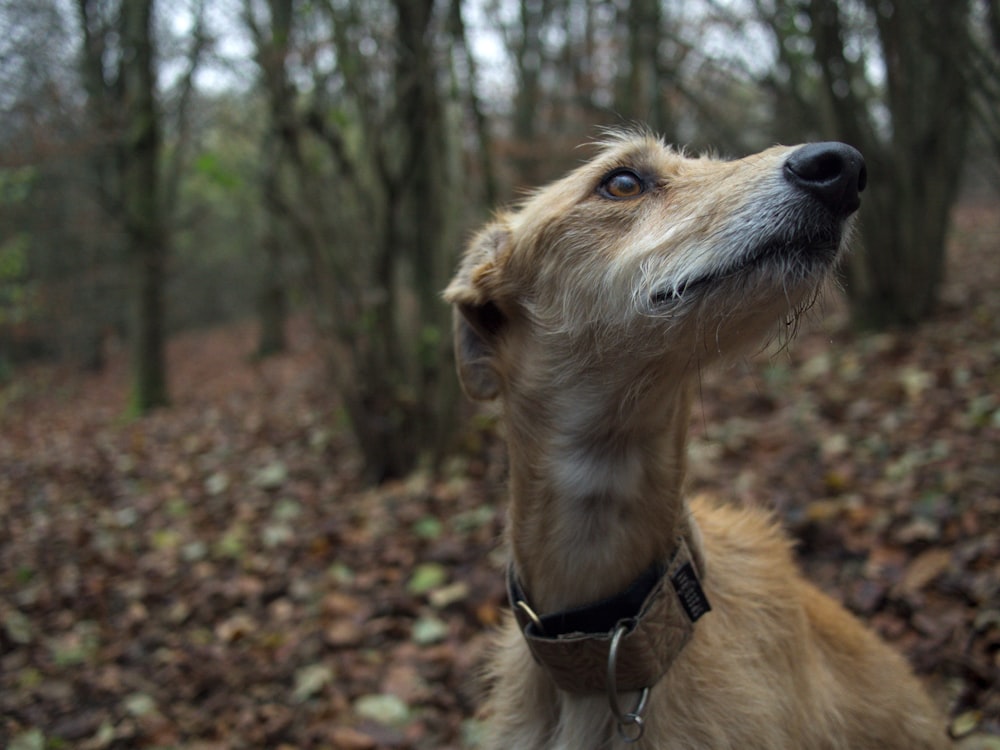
[(641, 618)]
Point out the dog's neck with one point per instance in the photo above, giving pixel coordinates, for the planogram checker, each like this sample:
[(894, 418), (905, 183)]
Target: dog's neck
[(595, 480)]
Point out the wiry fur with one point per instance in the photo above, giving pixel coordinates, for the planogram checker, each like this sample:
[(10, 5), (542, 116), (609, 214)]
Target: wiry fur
[(590, 318)]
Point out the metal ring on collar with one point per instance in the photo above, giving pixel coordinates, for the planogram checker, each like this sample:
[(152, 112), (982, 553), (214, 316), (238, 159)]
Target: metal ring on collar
[(630, 724), (523, 606)]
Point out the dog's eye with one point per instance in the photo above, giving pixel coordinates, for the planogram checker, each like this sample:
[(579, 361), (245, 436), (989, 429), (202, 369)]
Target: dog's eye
[(622, 183)]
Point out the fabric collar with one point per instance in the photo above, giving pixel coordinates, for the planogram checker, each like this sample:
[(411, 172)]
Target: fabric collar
[(657, 611)]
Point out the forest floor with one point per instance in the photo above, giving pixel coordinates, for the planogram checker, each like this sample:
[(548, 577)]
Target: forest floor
[(215, 575)]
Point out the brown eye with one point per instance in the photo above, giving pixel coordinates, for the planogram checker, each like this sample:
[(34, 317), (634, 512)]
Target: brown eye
[(622, 183)]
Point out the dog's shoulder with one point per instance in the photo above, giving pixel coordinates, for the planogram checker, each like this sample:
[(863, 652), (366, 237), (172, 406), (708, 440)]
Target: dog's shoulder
[(751, 575), (744, 534)]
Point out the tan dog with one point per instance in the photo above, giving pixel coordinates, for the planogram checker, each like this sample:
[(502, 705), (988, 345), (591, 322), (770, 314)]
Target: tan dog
[(589, 311)]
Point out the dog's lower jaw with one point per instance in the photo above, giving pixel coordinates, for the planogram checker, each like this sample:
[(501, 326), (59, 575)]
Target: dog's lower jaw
[(793, 272)]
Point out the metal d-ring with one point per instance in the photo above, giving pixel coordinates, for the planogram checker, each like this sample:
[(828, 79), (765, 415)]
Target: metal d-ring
[(523, 606), (630, 724)]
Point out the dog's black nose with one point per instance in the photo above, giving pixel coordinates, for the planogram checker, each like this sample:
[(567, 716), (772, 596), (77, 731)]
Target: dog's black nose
[(832, 172)]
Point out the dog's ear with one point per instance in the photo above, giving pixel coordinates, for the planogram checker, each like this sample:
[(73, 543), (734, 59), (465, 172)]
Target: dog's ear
[(479, 320), (475, 349)]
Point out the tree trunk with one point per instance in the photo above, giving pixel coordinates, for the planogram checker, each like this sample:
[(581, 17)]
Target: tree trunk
[(369, 202), (279, 143), (102, 85), (897, 277), (424, 202), (141, 206), (491, 191), (641, 99), (400, 402), (529, 58), (272, 306)]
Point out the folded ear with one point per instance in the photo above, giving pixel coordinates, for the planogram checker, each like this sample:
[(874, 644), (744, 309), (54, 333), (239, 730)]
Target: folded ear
[(479, 321), (475, 353)]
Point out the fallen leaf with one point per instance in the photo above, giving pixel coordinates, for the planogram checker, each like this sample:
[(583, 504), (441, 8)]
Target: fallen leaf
[(139, 704), (426, 576), (346, 738), (33, 739), (217, 483), (428, 527), (488, 614), (965, 723), (235, 627), (310, 680), (927, 566), (343, 634), (271, 476), (427, 630), (383, 708), (18, 627), (918, 530), (447, 595)]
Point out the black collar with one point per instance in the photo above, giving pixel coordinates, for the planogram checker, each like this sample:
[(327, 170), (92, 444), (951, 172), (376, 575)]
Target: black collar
[(599, 617)]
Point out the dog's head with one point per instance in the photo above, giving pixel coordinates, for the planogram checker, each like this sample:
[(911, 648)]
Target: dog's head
[(645, 253)]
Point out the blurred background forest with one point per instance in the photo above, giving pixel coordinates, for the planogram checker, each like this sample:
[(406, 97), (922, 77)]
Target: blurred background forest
[(179, 165), (224, 362)]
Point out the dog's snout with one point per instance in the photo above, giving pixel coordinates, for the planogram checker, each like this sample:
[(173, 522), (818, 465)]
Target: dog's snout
[(832, 172)]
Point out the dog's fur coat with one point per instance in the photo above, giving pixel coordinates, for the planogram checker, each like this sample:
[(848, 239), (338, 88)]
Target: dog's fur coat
[(589, 312)]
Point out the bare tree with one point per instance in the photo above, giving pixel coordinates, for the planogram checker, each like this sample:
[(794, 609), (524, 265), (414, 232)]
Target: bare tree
[(281, 142), (643, 93), (482, 126), (137, 186), (365, 183), (141, 205), (40, 182)]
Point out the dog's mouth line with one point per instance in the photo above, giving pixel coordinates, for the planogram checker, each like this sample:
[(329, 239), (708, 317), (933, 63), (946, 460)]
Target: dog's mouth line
[(777, 251)]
